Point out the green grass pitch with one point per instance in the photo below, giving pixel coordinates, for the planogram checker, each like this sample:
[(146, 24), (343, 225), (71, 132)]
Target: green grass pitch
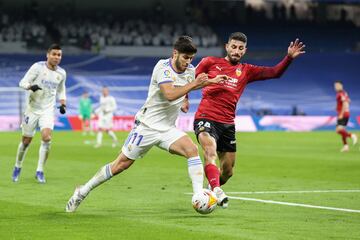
[(149, 201)]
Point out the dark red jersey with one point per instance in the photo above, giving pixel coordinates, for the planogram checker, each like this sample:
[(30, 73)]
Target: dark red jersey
[(342, 97), (219, 101)]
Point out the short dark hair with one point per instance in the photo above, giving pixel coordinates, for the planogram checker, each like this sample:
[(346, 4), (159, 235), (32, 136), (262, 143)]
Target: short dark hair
[(184, 44), (54, 46), (338, 81), (238, 36)]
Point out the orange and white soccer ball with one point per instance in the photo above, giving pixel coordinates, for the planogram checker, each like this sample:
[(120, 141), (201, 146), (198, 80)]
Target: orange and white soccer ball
[(204, 202)]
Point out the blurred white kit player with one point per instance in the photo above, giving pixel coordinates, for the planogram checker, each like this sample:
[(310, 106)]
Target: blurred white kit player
[(171, 80), (44, 81), (105, 113)]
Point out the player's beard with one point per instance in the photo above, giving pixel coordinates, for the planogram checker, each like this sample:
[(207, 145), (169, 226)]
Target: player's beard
[(179, 66), (233, 60)]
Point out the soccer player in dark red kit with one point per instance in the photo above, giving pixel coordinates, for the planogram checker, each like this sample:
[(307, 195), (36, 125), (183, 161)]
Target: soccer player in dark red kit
[(214, 120), (343, 114)]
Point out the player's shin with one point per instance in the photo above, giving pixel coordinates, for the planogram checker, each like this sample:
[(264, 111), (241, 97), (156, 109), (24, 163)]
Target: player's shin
[(196, 173), (20, 155), (99, 138), (43, 155), (100, 177), (113, 136), (213, 175)]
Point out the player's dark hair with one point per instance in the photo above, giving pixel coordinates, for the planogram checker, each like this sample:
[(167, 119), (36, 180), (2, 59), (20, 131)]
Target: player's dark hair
[(338, 81), (184, 44), (54, 46), (239, 36)]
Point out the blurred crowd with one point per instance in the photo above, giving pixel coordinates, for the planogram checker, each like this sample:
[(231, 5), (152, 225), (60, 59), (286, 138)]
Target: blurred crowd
[(96, 31), (157, 26)]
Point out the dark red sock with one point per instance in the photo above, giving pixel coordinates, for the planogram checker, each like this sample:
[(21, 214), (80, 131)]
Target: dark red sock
[(344, 134), (213, 175)]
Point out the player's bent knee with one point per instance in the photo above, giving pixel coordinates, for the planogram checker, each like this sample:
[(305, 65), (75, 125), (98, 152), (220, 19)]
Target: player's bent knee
[(191, 150), (46, 138)]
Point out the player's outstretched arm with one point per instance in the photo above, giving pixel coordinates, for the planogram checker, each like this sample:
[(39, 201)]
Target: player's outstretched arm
[(296, 48), (217, 79), (172, 92)]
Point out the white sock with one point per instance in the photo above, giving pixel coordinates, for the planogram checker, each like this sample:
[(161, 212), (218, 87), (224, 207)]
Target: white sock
[(112, 135), (100, 177), (99, 138), (20, 155), (196, 173), (43, 155)]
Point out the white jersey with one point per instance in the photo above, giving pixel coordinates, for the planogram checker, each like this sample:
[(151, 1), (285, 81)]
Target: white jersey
[(52, 82), (107, 107), (159, 113)]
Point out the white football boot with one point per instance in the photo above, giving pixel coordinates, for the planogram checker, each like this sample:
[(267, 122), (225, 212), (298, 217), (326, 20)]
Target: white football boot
[(345, 148), (74, 201), (222, 199), (354, 138)]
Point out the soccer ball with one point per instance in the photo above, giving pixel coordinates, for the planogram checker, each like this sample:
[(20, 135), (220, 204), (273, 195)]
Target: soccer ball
[(204, 202)]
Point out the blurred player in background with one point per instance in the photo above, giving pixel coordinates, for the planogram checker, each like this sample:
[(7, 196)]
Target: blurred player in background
[(85, 111), (171, 80), (105, 113), (343, 114), (214, 120), (44, 81)]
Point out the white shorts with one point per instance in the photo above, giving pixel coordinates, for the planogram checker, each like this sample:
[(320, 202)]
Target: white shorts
[(31, 121), (105, 122), (142, 138)]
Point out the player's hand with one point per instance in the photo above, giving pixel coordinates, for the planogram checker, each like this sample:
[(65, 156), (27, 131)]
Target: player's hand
[(296, 48), (62, 109), (35, 87), (201, 80), (219, 78), (185, 106)]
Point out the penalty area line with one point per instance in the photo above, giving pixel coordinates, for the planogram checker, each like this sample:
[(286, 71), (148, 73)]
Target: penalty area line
[(296, 204)]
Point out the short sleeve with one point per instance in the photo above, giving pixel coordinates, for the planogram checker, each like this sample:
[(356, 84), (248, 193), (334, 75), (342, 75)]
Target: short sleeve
[(203, 66), (163, 75)]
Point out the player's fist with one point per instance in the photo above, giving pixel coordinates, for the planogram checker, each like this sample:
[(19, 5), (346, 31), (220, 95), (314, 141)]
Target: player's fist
[(185, 106), (35, 87), (219, 78), (200, 80), (62, 109)]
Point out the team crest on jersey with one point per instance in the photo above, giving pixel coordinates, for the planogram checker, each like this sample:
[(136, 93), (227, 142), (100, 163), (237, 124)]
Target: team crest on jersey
[(58, 78), (238, 72), (167, 73), (189, 78)]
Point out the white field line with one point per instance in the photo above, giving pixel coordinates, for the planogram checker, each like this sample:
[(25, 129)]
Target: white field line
[(296, 204), (301, 191)]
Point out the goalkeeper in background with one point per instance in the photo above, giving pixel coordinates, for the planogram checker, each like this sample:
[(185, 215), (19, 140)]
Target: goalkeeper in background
[(85, 110)]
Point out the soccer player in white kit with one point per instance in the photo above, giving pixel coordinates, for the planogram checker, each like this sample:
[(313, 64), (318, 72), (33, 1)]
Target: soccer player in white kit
[(106, 112), (44, 80), (171, 80)]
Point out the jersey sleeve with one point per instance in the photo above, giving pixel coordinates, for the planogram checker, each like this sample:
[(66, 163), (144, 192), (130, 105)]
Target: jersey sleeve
[(61, 91), (203, 66), (162, 75), (257, 73), (30, 76)]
